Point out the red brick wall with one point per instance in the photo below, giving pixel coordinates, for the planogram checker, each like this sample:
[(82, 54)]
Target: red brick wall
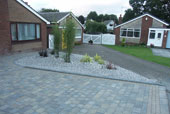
[(146, 24), (44, 35), (5, 41), (164, 39), (117, 33), (18, 13)]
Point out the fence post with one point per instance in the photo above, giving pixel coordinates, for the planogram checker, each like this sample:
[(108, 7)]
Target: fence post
[(101, 38)]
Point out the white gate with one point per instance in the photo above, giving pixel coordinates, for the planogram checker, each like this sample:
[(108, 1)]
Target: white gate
[(107, 39), (51, 41), (95, 38)]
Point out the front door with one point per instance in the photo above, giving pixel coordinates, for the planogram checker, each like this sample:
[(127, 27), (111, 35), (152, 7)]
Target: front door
[(168, 40), (155, 38), (159, 37)]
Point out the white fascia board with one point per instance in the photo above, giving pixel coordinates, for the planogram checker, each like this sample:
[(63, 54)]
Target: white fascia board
[(158, 19), (141, 17), (63, 18), (77, 20), (73, 17), (31, 10)]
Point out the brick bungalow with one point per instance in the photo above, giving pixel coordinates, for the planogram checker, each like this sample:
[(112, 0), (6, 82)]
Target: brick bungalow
[(21, 27), (60, 19), (142, 28)]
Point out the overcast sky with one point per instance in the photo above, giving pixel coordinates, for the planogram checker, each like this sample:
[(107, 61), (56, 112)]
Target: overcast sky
[(83, 7)]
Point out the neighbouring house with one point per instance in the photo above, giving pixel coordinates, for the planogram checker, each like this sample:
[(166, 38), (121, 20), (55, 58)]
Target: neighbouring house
[(60, 19), (110, 24), (145, 29), (21, 27)]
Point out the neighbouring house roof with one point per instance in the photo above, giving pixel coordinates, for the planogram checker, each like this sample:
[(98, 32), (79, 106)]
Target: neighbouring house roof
[(57, 17), (32, 10), (141, 17), (54, 16), (107, 22)]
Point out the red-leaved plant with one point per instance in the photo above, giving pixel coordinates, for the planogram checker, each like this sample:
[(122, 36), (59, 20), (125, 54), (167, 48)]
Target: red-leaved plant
[(110, 66)]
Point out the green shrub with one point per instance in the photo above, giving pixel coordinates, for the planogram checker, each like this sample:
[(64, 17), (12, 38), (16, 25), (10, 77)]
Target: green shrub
[(57, 39), (123, 42), (86, 58), (97, 57), (101, 61), (69, 38)]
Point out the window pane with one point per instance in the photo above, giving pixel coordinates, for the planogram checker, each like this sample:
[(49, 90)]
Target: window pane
[(159, 35), (26, 32), (136, 34), (78, 32), (123, 33), (130, 34), (152, 34), (38, 31), (13, 32)]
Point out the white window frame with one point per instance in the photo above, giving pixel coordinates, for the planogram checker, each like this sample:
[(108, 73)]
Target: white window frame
[(127, 32), (80, 34), (152, 31)]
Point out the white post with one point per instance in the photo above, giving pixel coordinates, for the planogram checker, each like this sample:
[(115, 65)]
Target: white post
[(101, 38)]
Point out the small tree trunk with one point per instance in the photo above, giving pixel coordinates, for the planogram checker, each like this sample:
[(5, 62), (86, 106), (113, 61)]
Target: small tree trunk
[(56, 53)]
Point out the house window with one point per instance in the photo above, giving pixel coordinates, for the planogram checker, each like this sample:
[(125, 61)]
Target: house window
[(159, 35), (78, 33), (13, 32), (137, 33), (38, 31), (24, 32), (123, 32), (152, 34), (131, 33)]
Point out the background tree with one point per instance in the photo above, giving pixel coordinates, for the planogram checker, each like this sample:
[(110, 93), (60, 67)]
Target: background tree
[(57, 39), (95, 27), (101, 18), (81, 19), (69, 38), (158, 8), (92, 15), (129, 14), (48, 10)]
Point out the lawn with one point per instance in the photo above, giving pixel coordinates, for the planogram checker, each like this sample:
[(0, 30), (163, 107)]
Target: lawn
[(143, 53)]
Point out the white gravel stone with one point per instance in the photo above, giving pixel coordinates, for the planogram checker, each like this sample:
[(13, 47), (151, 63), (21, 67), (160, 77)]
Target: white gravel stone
[(77, 67)]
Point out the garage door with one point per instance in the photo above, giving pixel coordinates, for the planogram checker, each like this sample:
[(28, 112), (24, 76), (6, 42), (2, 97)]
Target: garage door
[(168, 40)]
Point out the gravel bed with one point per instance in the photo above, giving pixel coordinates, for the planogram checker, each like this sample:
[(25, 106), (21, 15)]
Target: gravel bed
[(77, 67)]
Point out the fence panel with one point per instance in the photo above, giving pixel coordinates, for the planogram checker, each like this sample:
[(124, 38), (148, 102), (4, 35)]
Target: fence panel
[(108, 39)]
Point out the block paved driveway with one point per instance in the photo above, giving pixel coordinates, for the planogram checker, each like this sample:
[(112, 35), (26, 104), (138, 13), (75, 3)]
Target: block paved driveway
[(145, 68), (29, 91)]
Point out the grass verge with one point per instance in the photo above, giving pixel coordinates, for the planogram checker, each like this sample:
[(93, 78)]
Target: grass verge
[(142, 53)]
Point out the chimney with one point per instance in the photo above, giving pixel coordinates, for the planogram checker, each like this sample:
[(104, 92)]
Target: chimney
[(120, 19), (26, 3)]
